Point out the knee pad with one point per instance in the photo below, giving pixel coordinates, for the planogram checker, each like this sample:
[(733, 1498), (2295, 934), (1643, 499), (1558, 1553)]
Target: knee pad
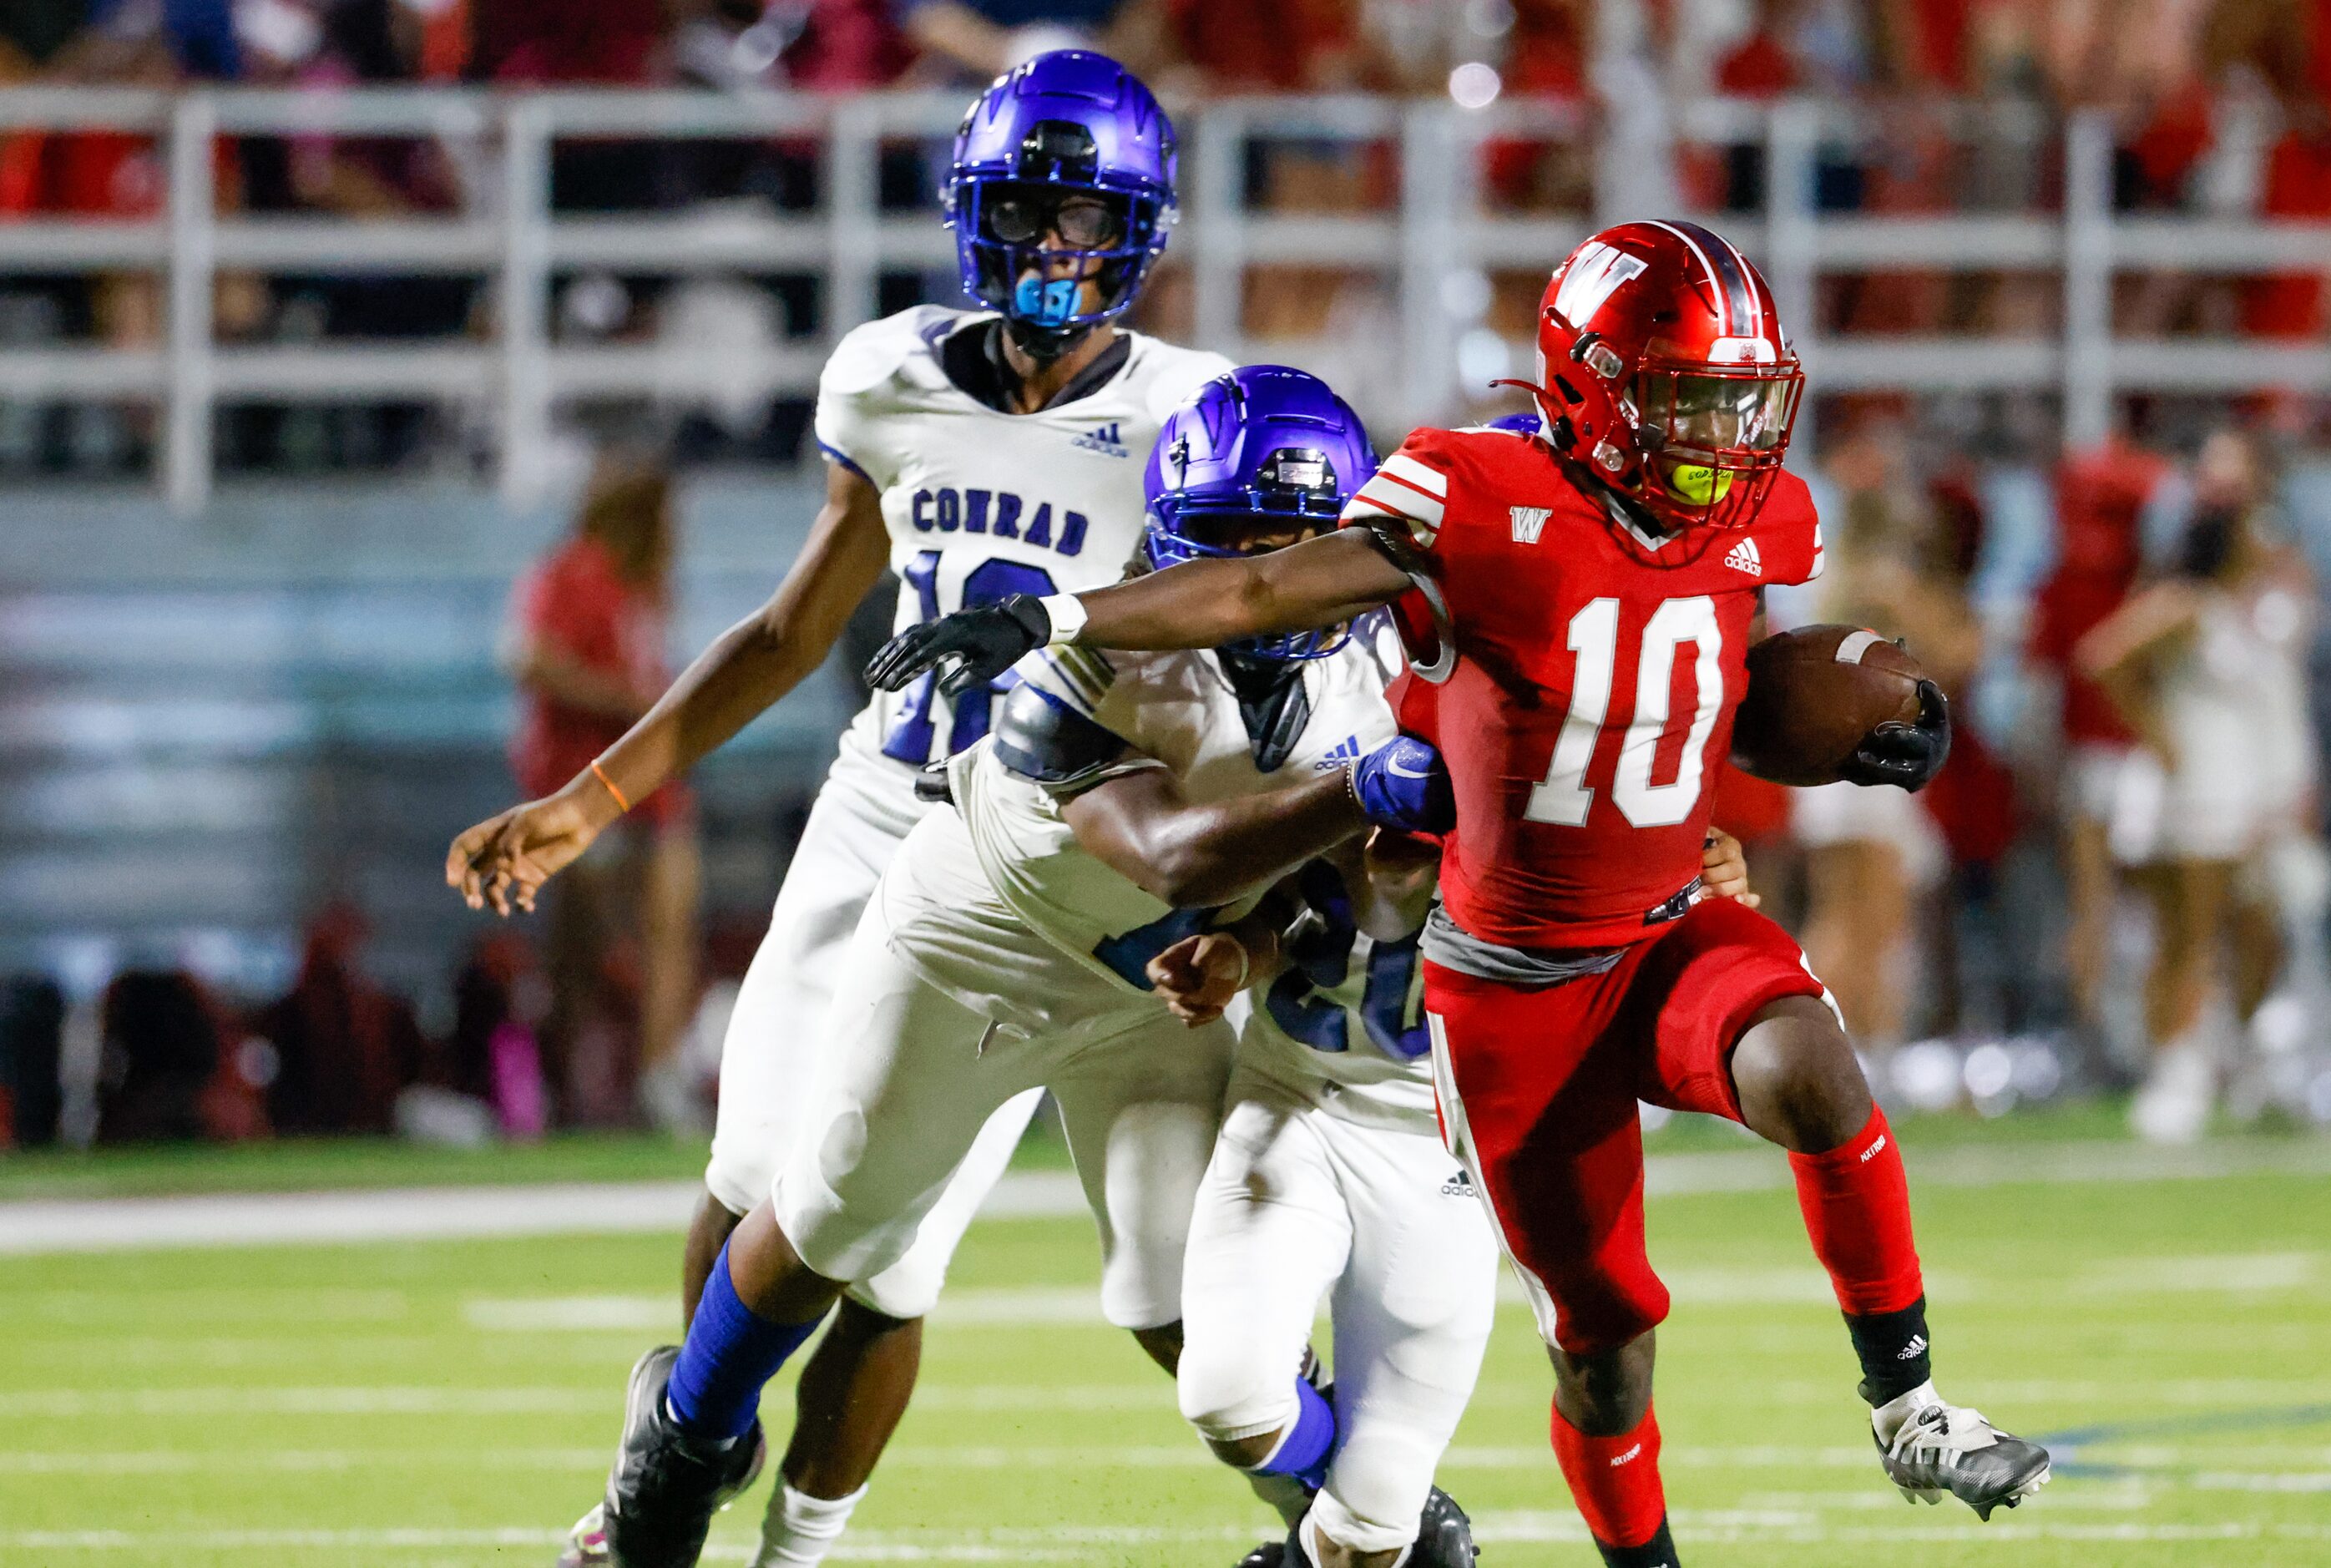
[(1227, 1393), (740, 1172), (907, 1289)]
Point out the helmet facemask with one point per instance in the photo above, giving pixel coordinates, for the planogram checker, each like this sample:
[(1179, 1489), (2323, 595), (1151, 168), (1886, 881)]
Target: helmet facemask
[(1711, 436), (1057, 244)]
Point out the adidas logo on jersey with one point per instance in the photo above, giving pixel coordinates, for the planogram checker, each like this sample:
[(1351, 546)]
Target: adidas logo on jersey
[(1344, 751), (1104, 438), (1529, 522), (1459, 1185), (1743, 557)]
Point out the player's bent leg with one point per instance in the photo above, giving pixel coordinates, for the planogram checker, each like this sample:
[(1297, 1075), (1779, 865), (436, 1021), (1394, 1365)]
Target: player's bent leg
[(1557, 1148), (897, 1103), (1141, 1110), (775, 1031), (1269, 1232), (1413, 1313), (855, 1387), (1798, 1084)]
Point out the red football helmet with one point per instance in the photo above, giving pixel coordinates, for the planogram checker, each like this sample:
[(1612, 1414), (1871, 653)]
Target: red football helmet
[(1664, 370)]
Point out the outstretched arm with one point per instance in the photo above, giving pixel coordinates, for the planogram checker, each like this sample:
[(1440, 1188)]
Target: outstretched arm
[(1197, 604), (503, 861)]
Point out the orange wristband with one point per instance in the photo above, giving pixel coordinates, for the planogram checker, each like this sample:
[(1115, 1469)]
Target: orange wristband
[(601, 775)]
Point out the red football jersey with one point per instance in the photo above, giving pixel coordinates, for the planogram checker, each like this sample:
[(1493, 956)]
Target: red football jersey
[(1589, 705)]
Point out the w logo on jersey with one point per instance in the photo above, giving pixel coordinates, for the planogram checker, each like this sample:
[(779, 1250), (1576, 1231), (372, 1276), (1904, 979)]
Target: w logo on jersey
[(1529, 522), (1344, 751), (1593, 274), (1104, 438), (1743, 557)]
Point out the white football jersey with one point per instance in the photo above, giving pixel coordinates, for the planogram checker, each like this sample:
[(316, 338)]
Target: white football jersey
[(1343, 1024), (981, 504), (1174, 710)]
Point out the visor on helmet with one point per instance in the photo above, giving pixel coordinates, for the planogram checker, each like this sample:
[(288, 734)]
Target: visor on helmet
[(1716, 413), (1017, 214)]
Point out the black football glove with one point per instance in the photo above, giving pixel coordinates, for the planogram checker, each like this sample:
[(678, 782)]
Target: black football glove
[(983, 642), (1908, 755)]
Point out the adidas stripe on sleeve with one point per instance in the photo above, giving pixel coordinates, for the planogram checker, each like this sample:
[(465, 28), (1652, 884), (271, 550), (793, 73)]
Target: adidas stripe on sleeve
[(1404, 491)]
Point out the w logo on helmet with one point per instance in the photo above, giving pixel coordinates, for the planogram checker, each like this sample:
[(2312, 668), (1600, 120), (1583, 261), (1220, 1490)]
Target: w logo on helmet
[(1594, 273)]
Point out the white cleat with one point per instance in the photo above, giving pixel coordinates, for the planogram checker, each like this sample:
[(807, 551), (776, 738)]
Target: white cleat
[(1932, 1451)]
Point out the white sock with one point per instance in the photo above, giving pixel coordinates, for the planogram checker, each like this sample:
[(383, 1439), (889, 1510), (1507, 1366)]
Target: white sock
[(799, 1529), (1887, 1419), (1307, 1535)]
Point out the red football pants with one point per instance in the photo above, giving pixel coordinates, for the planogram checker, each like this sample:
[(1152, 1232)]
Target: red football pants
[(1537, 1092)]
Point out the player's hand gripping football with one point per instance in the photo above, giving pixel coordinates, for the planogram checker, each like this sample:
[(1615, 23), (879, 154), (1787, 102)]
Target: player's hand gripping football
[(1908, 755), (982, 643), (503, 861)]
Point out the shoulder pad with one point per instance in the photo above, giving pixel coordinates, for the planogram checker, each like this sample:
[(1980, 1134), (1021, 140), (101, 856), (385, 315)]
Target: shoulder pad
[(1039, 736), (869, 354), (1789, 528)]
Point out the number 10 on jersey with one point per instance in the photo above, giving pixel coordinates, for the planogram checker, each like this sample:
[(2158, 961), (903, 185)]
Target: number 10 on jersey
[(1565, 797)]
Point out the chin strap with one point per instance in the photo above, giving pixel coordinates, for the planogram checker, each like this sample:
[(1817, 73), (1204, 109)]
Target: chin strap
[(1044, 344)]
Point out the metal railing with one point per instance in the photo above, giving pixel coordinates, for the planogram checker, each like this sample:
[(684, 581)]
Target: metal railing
[(1441, 230)]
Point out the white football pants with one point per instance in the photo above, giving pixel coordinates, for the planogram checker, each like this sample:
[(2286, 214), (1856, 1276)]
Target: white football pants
[(777, 1032), (1298, 1204), (907, 1093)]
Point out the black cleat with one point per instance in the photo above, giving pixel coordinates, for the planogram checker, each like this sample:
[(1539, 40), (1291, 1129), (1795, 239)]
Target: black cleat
[(1948, 1451), (1270, 1555), (666, 1485), (1444, 1534)]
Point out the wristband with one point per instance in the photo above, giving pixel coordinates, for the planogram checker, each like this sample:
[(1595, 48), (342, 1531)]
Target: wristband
[(1246, 961), (1066, 613), (601, 775)]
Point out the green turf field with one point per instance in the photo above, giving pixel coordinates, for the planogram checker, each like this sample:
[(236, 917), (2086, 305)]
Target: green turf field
[(452, 1403)]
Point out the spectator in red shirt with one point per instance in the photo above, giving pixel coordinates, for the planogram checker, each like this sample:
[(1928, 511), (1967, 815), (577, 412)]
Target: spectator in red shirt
[(589, 625)]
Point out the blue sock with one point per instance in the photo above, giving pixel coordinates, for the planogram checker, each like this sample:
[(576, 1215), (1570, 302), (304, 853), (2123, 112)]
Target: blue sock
[(1304, 1451), (730, 1353)]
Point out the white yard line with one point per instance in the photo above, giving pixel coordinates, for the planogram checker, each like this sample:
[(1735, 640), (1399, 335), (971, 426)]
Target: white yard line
[(453, 1213)]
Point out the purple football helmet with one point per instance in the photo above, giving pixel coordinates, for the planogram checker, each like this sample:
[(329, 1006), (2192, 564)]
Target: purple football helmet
[(1260, 451), (1068, 121)]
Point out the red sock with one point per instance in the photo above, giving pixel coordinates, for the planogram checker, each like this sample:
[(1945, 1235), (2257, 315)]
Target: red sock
[(1614, 1480), (1857, 1207)]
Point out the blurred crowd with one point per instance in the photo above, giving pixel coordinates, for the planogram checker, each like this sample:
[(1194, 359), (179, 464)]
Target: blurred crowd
[(2220, 107), (2118, 882)]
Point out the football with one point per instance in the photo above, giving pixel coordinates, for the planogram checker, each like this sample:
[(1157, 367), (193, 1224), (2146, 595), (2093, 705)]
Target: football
[(1813, 694)]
